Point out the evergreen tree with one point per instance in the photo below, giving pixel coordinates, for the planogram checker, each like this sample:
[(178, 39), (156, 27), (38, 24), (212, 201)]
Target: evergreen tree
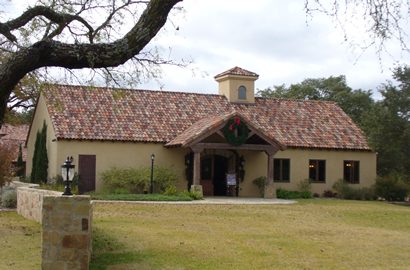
[(39, 170), (33, 176), (20, 163), (43, 159)]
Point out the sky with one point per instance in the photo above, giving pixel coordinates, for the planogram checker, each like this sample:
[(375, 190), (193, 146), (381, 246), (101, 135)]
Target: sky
[(273, 38)]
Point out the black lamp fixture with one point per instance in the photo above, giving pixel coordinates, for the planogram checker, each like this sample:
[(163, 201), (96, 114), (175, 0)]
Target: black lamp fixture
[(151, 188), (67, 172)]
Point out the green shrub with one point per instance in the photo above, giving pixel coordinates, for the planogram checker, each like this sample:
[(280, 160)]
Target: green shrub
[(260, 182), (123, 178), (305, 194), (305, 186), (196, 195), (163, 178), (120, 191), (329, 194), (288, 194), (392, 188), (9, 199), (137, 180), (171, 190), (344, 191)]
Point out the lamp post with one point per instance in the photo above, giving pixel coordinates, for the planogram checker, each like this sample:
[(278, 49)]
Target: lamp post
[(67, 172), (151, 188)]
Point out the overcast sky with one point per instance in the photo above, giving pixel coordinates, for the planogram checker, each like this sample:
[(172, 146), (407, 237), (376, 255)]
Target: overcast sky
[(274, 39)]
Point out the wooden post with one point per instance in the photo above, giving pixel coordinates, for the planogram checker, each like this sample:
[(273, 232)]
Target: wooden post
[(269, 188), (197, 167), (196, 185)]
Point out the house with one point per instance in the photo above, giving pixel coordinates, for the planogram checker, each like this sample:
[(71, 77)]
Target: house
[(11, 137), (213, 141)]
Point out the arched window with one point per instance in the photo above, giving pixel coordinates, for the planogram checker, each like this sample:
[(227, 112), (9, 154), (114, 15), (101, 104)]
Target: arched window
[(242, 92)]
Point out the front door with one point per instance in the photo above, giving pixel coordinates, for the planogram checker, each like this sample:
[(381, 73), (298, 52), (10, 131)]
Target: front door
[(86, 172), (213, 175), (219, 177)]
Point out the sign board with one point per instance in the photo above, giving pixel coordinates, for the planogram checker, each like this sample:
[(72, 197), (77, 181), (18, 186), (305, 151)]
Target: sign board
[(231, 179)]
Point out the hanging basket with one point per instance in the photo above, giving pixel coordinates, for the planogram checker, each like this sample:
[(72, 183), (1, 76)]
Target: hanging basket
[(235, 131)]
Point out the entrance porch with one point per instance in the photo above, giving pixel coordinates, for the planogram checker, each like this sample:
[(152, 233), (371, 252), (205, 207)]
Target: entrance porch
[(216, 161)]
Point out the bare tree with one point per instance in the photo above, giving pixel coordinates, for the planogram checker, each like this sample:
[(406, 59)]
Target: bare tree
[(383, 20), (77, 34)]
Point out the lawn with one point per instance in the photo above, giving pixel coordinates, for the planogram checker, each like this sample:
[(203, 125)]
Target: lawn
[(313, 234), (20, 242)]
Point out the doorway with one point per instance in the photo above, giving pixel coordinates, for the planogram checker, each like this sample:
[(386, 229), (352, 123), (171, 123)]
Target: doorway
[(213, 175), (86, 173)]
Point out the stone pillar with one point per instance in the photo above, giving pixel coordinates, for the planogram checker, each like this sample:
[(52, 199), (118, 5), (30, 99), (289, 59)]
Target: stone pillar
[(66, 236), (269, 187), (196, 185)]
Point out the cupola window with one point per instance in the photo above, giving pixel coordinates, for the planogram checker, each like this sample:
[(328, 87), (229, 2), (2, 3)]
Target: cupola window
[(242, 92)]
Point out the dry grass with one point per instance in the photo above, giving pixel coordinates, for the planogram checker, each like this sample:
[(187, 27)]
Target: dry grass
[(20, 242), (314, 234)]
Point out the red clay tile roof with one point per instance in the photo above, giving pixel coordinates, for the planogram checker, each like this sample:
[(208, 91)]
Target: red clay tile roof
[(213, 123), (237, 71), (11, 136), (198, 128), (89, 113)]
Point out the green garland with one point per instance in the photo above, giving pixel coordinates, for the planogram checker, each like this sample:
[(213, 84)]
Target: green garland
[(235, 131)]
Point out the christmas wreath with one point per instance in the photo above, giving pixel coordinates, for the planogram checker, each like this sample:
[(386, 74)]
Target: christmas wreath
[(235, 131)]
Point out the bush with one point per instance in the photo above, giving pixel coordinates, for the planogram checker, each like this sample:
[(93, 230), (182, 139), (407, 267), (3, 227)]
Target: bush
[(196, 195), (305, 186), (287, 194), (329, 194), (171, 190), (137, 180), (9, 199), (344, 191), (260, 182), (392, 188)]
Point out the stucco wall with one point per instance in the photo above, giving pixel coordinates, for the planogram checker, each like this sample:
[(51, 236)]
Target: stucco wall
[(121, 154), (40, 115), (256, 165)]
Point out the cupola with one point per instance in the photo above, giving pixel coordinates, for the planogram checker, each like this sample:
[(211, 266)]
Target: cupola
[(237, 85)]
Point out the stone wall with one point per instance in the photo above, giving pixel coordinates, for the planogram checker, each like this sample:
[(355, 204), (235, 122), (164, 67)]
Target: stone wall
[(66, 223), (66, 232), (30, 201)]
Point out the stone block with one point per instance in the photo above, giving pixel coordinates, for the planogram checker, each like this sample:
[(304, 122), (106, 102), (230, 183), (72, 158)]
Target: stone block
[(75, 241), (270, 191), (197, 188)]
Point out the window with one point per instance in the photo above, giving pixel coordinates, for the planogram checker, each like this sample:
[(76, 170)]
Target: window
[(317, 170), (242, 92), (351, 171), (281, 170)]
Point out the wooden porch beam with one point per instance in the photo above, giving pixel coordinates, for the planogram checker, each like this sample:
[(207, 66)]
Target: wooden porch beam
[(255, 147)]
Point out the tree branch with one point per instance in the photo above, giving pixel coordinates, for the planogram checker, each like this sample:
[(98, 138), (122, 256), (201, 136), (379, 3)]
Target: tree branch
[(62, 19), (48, 53)]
